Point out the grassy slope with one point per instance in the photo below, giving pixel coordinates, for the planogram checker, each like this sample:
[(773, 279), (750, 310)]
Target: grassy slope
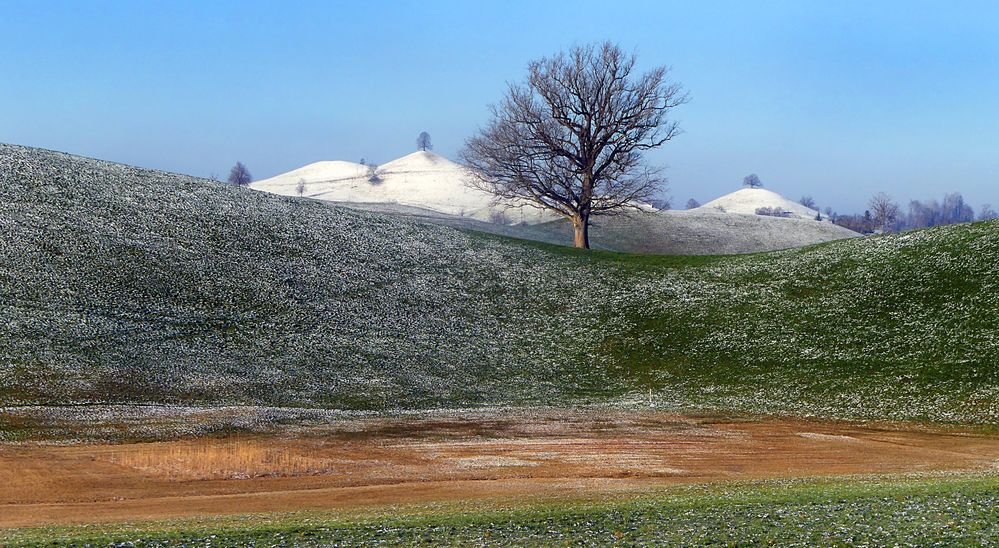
[(692, 233), (124, 285), (954, 511), (662, 233)]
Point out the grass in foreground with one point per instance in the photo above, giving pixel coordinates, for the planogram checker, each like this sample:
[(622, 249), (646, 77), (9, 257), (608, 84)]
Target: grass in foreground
[(875, 511)]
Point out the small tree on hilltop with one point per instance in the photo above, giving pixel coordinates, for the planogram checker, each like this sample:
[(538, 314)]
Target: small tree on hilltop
[(693, 204), (752, 181), (571, 139), (239, 175), (423, 142), (300, 188), (808, 202)]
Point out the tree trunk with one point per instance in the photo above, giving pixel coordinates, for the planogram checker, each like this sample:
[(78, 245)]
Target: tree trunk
[(581, 226)]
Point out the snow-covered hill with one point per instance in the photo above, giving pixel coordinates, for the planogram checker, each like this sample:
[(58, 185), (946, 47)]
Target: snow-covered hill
[(748, 200), (421, 179)]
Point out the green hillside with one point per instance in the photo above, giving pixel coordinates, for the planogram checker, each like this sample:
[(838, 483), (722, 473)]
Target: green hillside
[(935, 511), (123, 285)]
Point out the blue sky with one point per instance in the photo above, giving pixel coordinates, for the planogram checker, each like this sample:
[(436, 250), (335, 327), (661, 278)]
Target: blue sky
[(838, 100)]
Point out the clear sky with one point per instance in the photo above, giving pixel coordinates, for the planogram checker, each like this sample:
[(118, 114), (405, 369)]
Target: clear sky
[(838, 100)]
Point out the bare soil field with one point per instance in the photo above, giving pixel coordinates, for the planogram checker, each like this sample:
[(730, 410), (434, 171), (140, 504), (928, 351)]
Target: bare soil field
[(374, 462)]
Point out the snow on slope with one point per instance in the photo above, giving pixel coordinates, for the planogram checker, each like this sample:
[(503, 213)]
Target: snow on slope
[(421, 179), (748, 200), (323, 171)]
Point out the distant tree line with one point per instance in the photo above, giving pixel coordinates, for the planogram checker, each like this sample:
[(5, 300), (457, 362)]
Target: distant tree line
[(885, 215), (772, 212)]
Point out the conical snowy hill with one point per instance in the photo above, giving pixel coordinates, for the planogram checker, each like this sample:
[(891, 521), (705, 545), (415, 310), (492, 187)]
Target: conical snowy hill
[(421, 179), (748, 200)]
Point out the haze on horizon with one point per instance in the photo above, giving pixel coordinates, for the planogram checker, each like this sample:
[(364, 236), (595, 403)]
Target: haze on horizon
[(837, 101)]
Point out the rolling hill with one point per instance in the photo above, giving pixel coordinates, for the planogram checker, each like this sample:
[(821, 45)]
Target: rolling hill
[(421, 179), (671, 232), (427, 187), (124, 285), (747, 200)]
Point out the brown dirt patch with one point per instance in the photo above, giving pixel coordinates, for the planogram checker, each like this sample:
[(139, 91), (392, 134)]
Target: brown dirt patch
[(373, 462)]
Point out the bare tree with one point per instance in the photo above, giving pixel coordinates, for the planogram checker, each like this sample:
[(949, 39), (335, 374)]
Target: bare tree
[(423, 142), (300, 187), (571, 139), (956, 210), (693, 204), (808, 202), (752, 181), (987, 213), (239, 175), (884, 211), (374, 176), (923, 214)]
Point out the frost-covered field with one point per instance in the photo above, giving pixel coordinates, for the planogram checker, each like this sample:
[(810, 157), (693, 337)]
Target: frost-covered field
[(127, 285), (121, 285), (82, 424), (674, 232)]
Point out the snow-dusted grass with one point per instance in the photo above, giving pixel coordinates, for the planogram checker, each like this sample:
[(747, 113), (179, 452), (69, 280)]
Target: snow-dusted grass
[(673, 232), (120, 285), (896, 327), (694, 232)]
